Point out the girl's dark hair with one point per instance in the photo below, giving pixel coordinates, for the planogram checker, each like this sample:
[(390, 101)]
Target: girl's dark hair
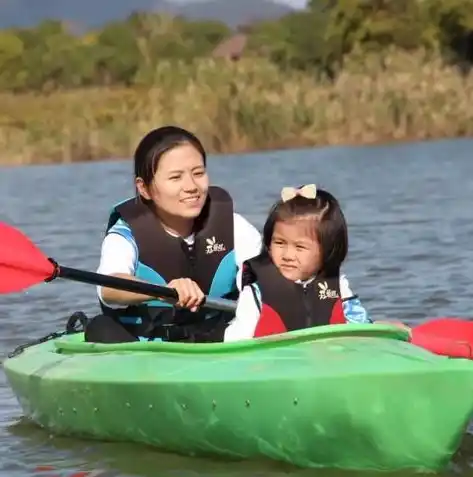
[(156, 143), (329, 226)]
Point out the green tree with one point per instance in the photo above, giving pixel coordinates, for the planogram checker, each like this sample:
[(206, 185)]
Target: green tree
[(204, 35), (11, 51), (52, 57), (453, 20), (116, 53), (295, 41)]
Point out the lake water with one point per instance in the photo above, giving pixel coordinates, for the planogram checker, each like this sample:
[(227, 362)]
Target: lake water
[(409, 209)]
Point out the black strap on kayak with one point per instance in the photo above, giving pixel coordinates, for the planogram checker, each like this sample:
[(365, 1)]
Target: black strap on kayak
[(209, 331), (71, 327), (19, 349), (180, 324), (77, 318)]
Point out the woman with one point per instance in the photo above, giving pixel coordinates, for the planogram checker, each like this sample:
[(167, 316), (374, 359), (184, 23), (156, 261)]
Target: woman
[(178, 231)]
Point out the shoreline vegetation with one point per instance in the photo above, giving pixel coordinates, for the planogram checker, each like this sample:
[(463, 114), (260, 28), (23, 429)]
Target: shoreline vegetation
[(286, 98)]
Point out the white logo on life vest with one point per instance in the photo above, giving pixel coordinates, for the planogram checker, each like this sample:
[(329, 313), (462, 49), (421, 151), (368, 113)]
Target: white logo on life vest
[(213, 246), (325, 292)]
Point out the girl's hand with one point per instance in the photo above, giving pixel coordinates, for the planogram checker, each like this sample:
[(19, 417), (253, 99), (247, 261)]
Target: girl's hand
[(190, 294), (397, 323)]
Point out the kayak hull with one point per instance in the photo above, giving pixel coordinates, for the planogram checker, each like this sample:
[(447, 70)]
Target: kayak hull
[(357, 397)]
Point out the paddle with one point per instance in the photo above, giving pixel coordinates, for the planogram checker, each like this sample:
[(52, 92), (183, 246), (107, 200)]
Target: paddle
[(446, 336), (22, 265)]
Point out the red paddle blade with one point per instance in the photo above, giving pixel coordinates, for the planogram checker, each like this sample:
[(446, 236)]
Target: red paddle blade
[(445, 336), (22, 264)]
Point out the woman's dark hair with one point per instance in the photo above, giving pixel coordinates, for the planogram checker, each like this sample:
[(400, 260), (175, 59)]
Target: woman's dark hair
[(329, 226), (156, 143)]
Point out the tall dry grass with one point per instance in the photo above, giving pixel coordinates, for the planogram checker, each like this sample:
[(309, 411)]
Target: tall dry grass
[(243, 106)]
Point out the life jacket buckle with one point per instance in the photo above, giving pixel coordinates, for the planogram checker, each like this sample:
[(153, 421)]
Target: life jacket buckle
[(169, 332)]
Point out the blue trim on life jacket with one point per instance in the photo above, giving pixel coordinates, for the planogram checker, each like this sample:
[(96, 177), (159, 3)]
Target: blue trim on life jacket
[(120, 227), (256, 294), (131, 320), (123, 229), (149, 275), (113, 215), (224, 280)]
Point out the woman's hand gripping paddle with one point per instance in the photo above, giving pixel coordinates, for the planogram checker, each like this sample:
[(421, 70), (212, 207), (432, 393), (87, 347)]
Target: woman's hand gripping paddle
[(22, 265)]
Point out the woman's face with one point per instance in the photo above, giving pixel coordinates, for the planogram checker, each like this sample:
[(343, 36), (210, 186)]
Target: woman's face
[(180, 185)]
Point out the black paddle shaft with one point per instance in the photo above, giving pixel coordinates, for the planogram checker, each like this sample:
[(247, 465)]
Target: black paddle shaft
[(157, 291)]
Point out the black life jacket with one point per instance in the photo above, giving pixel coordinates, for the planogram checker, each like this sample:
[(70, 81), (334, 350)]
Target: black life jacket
[(287, 305), (210, 262)]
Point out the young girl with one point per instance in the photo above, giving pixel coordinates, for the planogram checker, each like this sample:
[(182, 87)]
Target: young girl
[(295, 282)]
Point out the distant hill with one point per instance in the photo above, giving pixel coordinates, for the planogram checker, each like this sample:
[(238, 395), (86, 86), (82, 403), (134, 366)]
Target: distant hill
[(93, 13)]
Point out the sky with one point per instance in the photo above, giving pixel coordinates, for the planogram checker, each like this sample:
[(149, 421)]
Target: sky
[(292, 3)]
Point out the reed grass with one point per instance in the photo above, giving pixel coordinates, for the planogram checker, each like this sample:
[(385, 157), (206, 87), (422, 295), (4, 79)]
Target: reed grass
[(244, 106)]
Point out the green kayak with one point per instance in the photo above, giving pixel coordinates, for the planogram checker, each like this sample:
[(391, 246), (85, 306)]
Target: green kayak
[(344, 396)]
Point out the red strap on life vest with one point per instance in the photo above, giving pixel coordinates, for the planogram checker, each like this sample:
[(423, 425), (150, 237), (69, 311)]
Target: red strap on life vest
[(269, 323), (338, 317)]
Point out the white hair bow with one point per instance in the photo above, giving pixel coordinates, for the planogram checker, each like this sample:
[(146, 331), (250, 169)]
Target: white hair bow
[(308, 191)]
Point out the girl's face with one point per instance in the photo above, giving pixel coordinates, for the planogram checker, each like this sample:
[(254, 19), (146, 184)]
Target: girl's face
[(295, 249), (180, 186)]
